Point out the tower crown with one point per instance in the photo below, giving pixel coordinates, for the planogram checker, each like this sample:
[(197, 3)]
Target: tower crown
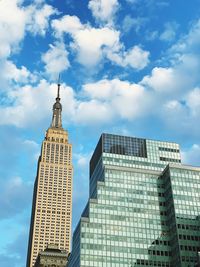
[(57, 111)]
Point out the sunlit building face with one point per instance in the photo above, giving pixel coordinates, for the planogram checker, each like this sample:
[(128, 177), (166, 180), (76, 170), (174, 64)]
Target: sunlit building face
[(52, 199)]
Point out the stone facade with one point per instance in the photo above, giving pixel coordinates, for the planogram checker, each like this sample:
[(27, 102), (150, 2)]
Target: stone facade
[(51, 257)]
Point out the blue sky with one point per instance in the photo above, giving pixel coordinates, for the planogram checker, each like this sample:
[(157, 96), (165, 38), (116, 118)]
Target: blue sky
[(128, 67)]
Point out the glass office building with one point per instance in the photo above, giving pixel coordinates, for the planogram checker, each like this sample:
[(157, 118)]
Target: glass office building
[(143, 210)]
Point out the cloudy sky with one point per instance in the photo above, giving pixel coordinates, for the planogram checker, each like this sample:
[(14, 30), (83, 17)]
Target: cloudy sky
[(128, 67)]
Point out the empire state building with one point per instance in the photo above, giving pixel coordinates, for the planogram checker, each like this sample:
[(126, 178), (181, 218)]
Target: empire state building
[(52, 196)]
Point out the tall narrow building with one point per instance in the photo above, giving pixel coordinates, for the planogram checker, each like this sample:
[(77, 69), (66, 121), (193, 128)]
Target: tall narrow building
[(52, 197)]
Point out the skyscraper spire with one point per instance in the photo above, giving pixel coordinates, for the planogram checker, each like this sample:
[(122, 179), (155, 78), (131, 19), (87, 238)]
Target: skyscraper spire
[(58, 94), (57, 110)]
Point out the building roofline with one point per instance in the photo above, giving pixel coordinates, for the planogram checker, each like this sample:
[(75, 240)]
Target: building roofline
[(144, 138), (185, 166)]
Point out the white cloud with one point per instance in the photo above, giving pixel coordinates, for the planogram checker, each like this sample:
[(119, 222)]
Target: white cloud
[(30, 105), (169, 32), (177, 79), (106, 100), (181, 83), (12, 26), (67, 24), (161, 80), (18, 75), (38, 18), (15, 20), (185, 57), (183, 113), (121, 98), (56, 60), (189, 42), (103, 10), (92, 45), (12, 76), (132, 23), (136, 57), (93, 112), (98, 103), (128, 23), (193, 102), (192, 155), (173, 105), (176, 88)]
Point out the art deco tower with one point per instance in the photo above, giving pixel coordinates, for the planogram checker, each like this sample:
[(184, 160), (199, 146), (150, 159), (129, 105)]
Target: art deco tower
[(52, 197)]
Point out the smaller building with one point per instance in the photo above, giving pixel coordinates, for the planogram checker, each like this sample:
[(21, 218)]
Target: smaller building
[(52, 256)]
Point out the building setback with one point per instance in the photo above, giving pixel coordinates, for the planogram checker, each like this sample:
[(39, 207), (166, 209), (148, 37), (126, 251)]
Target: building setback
[(143, 210), (52, 197)]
